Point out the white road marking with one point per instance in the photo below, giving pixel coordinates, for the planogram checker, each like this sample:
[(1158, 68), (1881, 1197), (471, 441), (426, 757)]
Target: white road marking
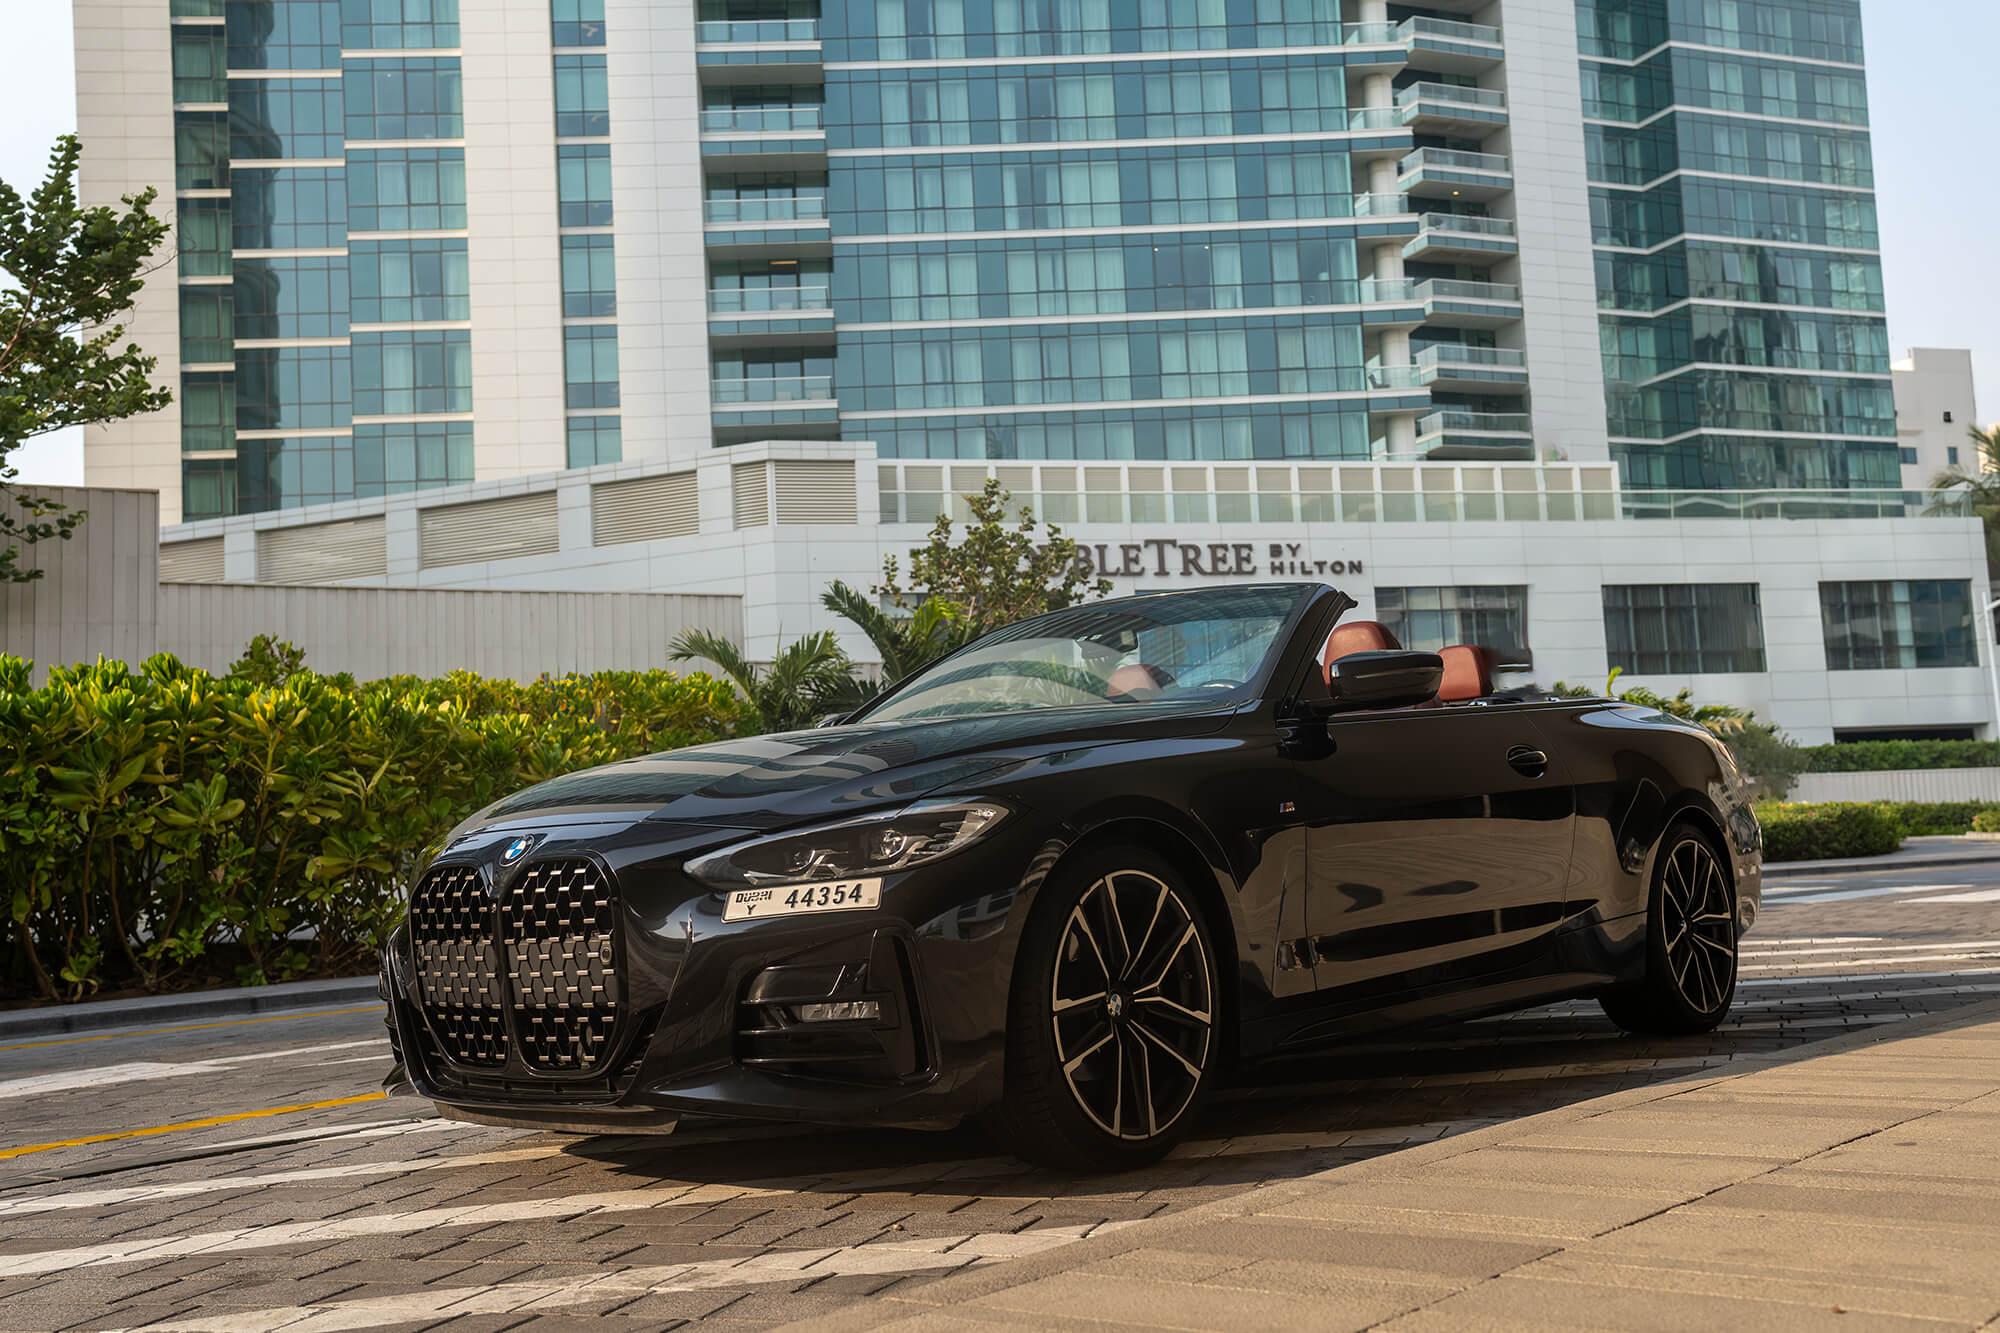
[(1875, 948), (381, 1224), (1820, 966), (139, 1070), (1823, 939), (1801, 897), (1824, 977), (1981, 896), (105, 1198), (916, 1255)]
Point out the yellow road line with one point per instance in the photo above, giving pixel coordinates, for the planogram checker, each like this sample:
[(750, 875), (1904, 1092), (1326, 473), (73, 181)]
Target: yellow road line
[(192, 1027), (191, 1124)]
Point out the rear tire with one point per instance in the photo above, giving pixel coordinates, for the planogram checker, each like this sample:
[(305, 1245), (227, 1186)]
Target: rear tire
[(1112, 1018), (1691, 935)]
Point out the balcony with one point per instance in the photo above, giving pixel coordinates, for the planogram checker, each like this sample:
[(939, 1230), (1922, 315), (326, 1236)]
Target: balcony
[(1450, 47), (795, 390), (1449, 173), (1455, 367), (757, 212), (1485, 305), (1447, 108), (769, 120), (769, 300), (1795, 504), (1401, 306), (1459, 238), (761, 32), (1450, 436)]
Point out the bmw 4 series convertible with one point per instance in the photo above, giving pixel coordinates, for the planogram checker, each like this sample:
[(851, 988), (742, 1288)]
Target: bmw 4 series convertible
[(1066, 879)]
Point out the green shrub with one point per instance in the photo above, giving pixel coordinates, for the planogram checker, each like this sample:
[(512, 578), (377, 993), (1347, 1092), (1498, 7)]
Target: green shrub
[(1881, 756), (1797, 832), (163, 827), (1987, 820), (1930, 817)]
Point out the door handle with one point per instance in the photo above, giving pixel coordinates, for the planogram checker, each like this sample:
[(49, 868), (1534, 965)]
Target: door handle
[(1528, 761)]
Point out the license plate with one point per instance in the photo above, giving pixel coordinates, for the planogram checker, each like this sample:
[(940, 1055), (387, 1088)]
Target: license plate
[(847, 895)]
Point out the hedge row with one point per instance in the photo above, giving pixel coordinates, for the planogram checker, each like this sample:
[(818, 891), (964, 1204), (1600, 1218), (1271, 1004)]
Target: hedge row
[(1880, 756), (165, 828), (1799, 832)]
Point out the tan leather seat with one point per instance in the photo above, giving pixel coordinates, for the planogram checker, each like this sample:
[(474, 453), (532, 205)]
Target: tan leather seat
[(1468, 672), (1360, 636)]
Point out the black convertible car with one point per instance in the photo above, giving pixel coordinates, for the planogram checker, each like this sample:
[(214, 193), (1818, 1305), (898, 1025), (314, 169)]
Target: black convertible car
[(1067, 877)]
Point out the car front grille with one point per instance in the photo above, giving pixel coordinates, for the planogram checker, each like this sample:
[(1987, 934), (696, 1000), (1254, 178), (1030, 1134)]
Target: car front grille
[(535, 973)]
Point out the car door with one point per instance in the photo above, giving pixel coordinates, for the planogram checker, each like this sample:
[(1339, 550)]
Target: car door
[(1438, 846)]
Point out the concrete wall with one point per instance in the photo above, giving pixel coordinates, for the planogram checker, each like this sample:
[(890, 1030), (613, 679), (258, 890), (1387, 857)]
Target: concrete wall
[(1933, 383), (1903, 784), (374, 632), (96, 593)]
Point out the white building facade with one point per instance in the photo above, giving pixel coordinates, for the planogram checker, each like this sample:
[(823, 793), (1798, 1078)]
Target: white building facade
[(1935, 411)]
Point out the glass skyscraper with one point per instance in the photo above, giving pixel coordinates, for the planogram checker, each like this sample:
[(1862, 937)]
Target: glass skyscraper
[(418, 246)]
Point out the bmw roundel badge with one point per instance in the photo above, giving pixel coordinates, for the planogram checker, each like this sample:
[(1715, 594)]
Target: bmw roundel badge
[(516, 850)]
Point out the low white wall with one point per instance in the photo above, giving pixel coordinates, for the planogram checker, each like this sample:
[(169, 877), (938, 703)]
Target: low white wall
[(1901, 784), (95, 593)]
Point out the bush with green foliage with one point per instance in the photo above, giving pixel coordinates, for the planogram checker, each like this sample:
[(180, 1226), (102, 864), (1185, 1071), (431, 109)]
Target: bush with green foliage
[(1828, 829), (1884, 756), (1987, 821), (1768, 758), (1921, 818), (162, 828)]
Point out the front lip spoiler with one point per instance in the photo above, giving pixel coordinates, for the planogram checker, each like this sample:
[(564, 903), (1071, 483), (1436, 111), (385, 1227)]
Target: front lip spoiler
[(564, 1120)]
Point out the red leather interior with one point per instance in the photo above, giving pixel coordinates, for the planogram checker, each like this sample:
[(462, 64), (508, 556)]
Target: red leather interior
[(1468, 672), (1359, 636), (1136, 679)]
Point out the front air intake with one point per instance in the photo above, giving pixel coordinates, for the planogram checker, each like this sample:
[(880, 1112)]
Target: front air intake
[(533, 975)]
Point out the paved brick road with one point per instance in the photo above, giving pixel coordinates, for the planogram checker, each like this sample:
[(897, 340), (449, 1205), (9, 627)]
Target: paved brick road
[(367, 1214)]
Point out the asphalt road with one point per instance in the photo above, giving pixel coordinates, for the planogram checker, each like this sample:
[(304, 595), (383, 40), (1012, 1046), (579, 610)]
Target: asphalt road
[(247, 1176)]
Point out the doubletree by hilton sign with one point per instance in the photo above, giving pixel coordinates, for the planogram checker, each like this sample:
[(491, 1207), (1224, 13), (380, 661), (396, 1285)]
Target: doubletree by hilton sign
[(1208, 559)]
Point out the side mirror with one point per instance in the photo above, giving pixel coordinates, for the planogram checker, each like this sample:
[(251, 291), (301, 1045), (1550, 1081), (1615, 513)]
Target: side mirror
[(1390, 678)]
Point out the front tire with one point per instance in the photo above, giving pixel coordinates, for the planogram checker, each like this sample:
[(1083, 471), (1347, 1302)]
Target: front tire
[(1691, 936), (1112, 1018)]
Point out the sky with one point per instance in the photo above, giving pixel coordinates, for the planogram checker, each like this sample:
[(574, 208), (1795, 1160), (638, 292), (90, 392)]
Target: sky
[(1935, 120)]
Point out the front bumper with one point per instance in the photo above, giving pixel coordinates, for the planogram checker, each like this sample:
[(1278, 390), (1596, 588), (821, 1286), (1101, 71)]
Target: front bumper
[(709, 1011)]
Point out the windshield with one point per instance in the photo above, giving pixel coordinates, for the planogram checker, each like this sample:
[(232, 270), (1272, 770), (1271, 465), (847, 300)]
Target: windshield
[(1196, 648)]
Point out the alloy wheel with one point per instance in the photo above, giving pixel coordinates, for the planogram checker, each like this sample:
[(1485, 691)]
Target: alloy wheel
[(1132, 1001), (1698, 926)]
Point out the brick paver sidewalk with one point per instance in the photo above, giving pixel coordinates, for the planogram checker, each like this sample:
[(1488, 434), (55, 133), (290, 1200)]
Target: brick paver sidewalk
[(1853, 1183)]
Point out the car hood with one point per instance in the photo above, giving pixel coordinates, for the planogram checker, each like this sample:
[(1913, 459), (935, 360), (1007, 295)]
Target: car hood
[(766, 782)]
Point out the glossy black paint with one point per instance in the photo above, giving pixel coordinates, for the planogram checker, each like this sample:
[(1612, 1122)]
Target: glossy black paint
[(1374, 867)]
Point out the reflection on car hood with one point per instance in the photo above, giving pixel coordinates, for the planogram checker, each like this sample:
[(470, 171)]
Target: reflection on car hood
[(770, 781)]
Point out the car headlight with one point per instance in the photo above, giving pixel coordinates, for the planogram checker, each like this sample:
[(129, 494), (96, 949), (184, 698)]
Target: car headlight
[(852, 849)]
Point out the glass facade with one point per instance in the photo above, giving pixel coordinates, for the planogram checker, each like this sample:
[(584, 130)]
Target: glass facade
[(1899, 624), (1723, 137), (1494, 617), (1680, 629), (283, 202)]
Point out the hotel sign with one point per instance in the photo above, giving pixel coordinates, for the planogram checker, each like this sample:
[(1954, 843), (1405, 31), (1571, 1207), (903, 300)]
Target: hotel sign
[(1159, 557)]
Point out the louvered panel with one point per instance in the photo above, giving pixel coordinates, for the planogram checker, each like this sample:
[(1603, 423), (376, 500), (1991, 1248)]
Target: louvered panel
[(191, 562), (323, 552), (1103, 480), (644, 509), (750, 484), (514, 525), (816, 491), (1016, 480)]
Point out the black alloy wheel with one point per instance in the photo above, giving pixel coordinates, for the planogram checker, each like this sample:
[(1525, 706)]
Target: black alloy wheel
[(1112, 1031), (1691, 942)]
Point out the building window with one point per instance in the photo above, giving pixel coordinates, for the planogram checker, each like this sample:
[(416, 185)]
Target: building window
[(208, 488), (401, 456), (201, 237), (590, 366), (1951, 453), (1494, 617), (199, 71), (1679, 629), (291, 297), (410, 281), (206, 324), (1909, 457), (288, 208), (583, 103), (280, 119), (406, 189), (201, 150), (583, 184), (1947, 418), (590, 285), (1898, 624), (286, 388), (303, 34), (389, 25), (594, 440), (414, 98), (414, 370), (208, 412), (578, 22)]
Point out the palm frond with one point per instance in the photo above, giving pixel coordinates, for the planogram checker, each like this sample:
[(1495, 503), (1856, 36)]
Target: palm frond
[(694, 643)]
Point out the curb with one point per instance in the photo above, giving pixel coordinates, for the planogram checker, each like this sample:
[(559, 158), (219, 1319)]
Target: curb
[(91, 1017), (1807, 869), (939, 1296)]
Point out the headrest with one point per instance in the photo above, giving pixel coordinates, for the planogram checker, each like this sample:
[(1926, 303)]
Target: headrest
[(1136, 679), (1359, 636), (1468, 672)]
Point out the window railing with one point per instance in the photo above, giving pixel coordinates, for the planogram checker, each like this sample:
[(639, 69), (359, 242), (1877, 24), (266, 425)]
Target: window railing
[(1447, 30), (1460, 354), (746, 300), (772, 389), (1387, 291), (1797, 504), (1394, 377), (1380, 205), (1370, 34), (1452, 159), (1456, 289), (1466, 225), (757, 30), (759, 120), (1449, 92), (775, 208), (1375, 118), (1471, 423)]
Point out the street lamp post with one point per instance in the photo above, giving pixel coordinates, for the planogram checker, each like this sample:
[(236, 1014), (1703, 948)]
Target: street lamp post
[(1993, 663)]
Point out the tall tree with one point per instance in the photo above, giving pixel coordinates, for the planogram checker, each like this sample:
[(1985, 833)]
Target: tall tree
[(68, 274), (998, 574), (1978, 491)]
